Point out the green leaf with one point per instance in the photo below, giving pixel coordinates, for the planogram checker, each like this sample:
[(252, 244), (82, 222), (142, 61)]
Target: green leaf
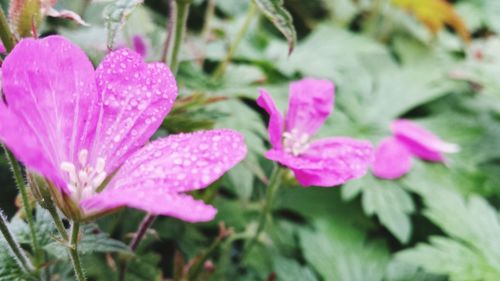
[(385, 199), (93, 241), (115, 15), (340, 251), (275, 11), (400, 271), (291, 270), (472, 249), (9, 270)]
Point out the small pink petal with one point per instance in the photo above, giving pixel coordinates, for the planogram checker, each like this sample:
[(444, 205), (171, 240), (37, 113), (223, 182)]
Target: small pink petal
[(182, 162), (49, 86), (2, 48), (275, 126), (136, 97), (310, 103), (421, 142), (139, 45), (154, 200), (328, 162), (392, 159)]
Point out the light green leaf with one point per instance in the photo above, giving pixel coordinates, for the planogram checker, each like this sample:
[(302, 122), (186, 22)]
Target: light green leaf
[(291, 270), (472, 250), (385, 199), (341, 252), (275, 11), (115, 15)]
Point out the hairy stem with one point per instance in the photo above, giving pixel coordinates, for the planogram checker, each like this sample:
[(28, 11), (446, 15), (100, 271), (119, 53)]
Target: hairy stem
[(139, 235), (172, 9), (252, 11), (180, 30), (6, 35), (14, 246), (73, 252), (272, 189), (18, 177)]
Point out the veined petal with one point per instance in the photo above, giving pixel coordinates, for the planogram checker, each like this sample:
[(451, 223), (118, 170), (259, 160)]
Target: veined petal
[(328, 162), (392, 159), (311, 102), (135, 99), (20, 139), (154, 200), (421, 142), (182, 162), (49, 85), (276, 123)]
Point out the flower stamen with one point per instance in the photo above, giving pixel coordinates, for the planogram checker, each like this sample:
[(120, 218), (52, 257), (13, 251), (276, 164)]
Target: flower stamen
[(84, 182), (295, 142)]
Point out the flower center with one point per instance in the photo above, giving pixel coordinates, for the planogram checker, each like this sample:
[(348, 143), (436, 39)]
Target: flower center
[(84, 182), (296, 142)]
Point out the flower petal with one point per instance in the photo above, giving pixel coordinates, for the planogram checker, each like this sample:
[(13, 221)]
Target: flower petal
[(154, 200), (136, 97), (392, 159), (311, 102), (421, 142), (328, 162), (182, 162), (275, 126), (21, 140), (49, 86)]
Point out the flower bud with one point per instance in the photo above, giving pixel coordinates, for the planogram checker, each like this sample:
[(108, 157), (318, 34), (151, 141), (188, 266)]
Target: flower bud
[(24, 15)]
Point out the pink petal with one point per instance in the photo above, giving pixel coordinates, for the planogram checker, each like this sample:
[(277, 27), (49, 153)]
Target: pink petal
[(154, 200), (136, 98), (420, 141), (182, 162), (311, 102), (392, 159), (328, 162), (275, 126), (21, 140), (49, 86), (2, 48)]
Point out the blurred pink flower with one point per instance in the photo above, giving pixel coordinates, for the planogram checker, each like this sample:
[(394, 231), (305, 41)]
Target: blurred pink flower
[(140, 45), (81, 127), (324, 162), (393, 155)]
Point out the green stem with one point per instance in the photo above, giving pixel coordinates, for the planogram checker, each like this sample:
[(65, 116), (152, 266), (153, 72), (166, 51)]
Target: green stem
[(5, 33), (18, 177), (272, 189), (50, 206), (73, 252), (252, 11), (14, 246), (180, 30), (209, 14)]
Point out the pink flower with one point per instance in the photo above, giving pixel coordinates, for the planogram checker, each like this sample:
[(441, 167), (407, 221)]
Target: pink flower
[(394, 154), (324, 162), (83, 128)]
